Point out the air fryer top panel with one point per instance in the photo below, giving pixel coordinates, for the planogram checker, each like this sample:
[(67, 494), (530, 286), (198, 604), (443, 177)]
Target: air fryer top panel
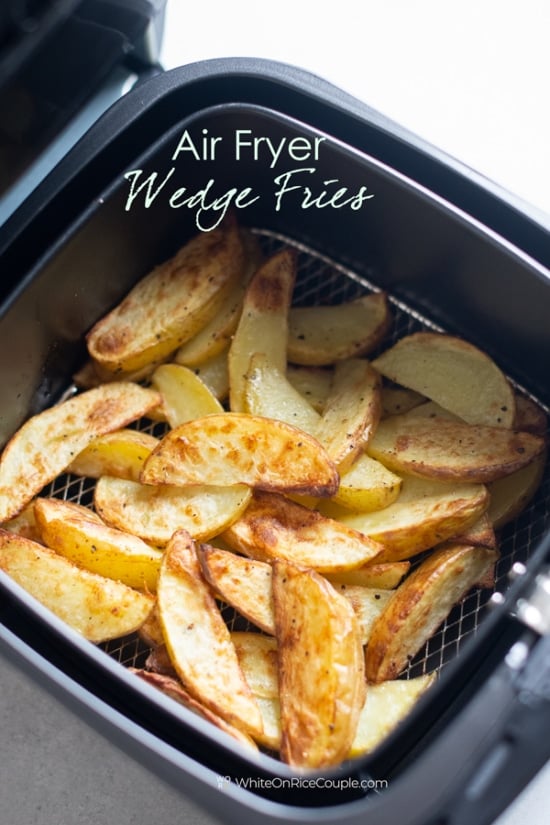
[(442, 268)]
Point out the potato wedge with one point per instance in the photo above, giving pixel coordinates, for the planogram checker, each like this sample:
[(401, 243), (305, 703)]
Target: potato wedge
[(351, 413), (451, 450), (387, 704), (480, 534), (47, 443), (367, 603), (426, 513), (530, 417), (511, 495), (367, 485), (96, 607), (263, 325), (154, 513), (320, 667), (170, 304), (236, 448), (396, 400), (419, 605), (274, 527), (453, 372), (269, 393), (322, 335), (214, 373), (174, 689), (216, 335), (184, 395), (243, 583), (121, 453), (313, 383), (24, 524), (380, 575), (257, 656), (199, 641), (79, 535)]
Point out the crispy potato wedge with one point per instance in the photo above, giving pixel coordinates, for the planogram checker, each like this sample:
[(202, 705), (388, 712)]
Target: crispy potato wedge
[(451, 450), (367, 485), (380, 576), (419, 605), (237, 448), (47, 443), (263, 324), (387, 704), (511, 495), (367, 603), (453, 372), (313, 384), (79, 535), (480, 534), (320, 667), (257, 656), (322, 335), (530, 417), (199, 641), (351, 413), (174, 689), (426, 513), (243, 583), (274, 527), (216, 335), (184, 395), (214, 373), (170, 304), (397, 400), (269, 393), (153, 513), (121, 453), (96, 607)]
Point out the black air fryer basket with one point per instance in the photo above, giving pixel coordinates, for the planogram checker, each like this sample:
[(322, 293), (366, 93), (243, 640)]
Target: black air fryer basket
[(454, 254)]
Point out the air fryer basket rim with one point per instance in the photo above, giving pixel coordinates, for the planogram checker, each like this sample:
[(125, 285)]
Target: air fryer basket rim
[(354, 812)]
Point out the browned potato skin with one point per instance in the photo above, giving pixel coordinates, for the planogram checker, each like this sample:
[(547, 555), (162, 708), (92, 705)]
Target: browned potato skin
[(420, 604), (173, 688), (449, 450), (273, 526), (237, 448), (320, 667)]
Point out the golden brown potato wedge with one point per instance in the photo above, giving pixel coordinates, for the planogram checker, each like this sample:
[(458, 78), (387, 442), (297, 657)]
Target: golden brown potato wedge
[(24, 524), (79, 535), (323, 335), (174, 689), (480, 534), (170, 304), (453, 372), (274, 527), (184, 395), (198, 640), (96, 607), (419, 606), (257, 655), (380, 575), (236, 448), (47, 443), (367, 485), (216, 335), (243, 583), (387, 704), (121, 453), (451, 450), (214, 373), (269, 393), (426, 513), (313, 383), (263, 325), (511, 495), (351, 413), (320, 667), (154, 512), (367, 603)]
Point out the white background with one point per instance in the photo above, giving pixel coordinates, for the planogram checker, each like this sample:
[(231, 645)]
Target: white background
[(472, 77)]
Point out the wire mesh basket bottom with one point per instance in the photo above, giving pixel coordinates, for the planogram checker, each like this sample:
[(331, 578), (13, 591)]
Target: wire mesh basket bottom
[(321, 281)]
